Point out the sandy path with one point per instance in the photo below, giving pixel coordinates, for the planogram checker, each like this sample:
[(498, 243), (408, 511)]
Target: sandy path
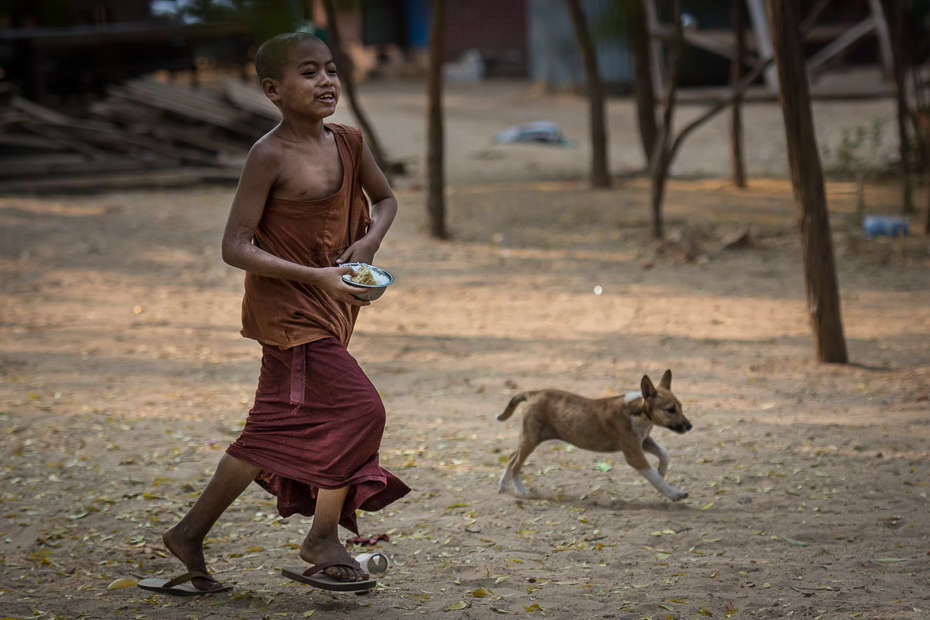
[(123, 377)]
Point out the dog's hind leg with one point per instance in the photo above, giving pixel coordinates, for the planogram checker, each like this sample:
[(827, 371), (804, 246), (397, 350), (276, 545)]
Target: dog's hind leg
[(506, 479), (650, 446), (516, 464), (511, 475)]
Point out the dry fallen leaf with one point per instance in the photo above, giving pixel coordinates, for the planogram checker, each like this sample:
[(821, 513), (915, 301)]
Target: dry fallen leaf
[(123, 582), (458, 605)]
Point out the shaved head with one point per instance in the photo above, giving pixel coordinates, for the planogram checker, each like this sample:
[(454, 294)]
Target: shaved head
[(272, 56)]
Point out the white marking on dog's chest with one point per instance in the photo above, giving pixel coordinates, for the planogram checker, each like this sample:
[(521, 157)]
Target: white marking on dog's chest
[(641, 426)]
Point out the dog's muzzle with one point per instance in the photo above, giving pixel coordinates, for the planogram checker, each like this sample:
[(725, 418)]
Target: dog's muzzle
[(682, 428)]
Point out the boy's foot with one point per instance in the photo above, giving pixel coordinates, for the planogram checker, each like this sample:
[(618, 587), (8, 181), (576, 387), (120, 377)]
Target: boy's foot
[(190, 552), (319, 551)]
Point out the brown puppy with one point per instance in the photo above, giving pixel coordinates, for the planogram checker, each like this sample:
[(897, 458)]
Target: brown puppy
[(603, 425)]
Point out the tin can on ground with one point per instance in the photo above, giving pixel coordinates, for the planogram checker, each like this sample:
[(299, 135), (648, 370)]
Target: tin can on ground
[(373, 562)]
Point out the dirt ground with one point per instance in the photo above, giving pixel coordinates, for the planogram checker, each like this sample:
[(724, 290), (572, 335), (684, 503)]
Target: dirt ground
[(123, 377)]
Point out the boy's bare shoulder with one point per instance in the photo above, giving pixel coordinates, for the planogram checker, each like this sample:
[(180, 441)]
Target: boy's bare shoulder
[(267, 150)]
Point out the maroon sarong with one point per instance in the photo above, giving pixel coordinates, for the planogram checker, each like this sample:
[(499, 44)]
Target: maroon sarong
[(317, 424)]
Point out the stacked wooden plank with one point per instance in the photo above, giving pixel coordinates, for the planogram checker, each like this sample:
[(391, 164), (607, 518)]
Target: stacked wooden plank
[(145, 132)]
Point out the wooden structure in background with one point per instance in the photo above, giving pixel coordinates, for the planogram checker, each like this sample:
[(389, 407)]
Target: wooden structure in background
[(51, 64), (723, 42), (145, 132)]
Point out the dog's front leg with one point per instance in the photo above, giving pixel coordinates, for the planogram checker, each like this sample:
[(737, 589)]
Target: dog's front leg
[(637, 459), (663, 487), (650, 446)]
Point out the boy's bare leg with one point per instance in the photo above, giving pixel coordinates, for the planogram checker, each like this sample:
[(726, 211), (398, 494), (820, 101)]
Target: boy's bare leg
[(185, 539), (322, 542)]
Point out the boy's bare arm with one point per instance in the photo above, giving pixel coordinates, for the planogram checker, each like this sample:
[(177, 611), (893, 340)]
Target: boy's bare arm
[(383, 209), (258, 177)]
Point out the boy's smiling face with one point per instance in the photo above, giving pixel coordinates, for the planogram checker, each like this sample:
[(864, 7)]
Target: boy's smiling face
[(309, 84)]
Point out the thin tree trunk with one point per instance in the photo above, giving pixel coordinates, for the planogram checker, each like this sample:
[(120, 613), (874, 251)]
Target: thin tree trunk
[(927, 220), (600, 177), (663, 152), (807, 179), (347, 77), (736, 73), (921, 127), (643, 88), (436, 193), (894, 14)]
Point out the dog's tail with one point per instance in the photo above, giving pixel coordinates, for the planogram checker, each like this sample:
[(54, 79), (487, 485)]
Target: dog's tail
[(512, 406)]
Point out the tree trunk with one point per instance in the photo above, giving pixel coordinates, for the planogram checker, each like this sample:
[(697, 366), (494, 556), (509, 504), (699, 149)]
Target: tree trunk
[(736, 74), (347, 77), (436, 193), (661, 160), (894, 14), (927, 220), (643, 88), (663, 152), (807, 180), (600, 177)]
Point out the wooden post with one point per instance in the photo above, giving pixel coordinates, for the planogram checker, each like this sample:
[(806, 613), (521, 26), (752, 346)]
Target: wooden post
[(736, 73), (927, 220), (643, 87), (655, 47), (807, 180), (347, 77), (664, 151), (600, 176), (898, 62), (436, 192)]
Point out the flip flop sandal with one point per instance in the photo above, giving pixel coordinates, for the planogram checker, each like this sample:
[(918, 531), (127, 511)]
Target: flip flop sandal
[(179, 586), (314, 576)]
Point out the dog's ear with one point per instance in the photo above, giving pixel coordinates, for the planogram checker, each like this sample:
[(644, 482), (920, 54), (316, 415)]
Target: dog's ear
[(649, 390), (666, 381)]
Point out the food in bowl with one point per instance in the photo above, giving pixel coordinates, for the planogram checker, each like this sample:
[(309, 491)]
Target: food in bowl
[(363, 275), (380, 280)]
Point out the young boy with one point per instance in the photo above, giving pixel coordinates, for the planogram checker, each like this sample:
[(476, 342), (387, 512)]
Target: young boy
[(313, 435)]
